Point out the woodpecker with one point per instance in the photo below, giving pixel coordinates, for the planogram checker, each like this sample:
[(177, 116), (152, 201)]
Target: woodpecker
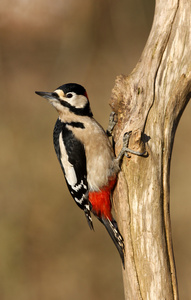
[(86, 157)]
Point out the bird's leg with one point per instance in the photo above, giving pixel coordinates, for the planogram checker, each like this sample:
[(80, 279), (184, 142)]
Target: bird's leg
[(112, 123), (125, 150)]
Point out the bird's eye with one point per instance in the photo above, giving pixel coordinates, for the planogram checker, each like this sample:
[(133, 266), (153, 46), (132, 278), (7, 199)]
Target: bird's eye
[(69, 95)]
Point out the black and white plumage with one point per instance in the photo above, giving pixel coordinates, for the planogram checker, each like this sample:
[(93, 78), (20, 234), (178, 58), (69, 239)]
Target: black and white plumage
[(71, 155), (86, 156)]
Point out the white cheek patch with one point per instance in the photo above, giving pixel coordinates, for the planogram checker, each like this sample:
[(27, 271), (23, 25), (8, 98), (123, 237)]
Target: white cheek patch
[(79, 101), (68, 167)]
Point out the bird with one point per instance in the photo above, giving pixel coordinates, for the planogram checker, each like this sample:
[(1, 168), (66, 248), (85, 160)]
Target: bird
[(86, 156)]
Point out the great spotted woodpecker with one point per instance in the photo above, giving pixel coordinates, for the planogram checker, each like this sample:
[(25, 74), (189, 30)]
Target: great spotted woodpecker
[(86, 157)]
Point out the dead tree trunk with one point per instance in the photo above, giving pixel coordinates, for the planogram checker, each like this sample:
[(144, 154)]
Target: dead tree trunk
[(150, 102)]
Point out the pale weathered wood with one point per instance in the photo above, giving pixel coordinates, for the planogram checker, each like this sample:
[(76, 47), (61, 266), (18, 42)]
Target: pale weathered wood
[(150, 102)]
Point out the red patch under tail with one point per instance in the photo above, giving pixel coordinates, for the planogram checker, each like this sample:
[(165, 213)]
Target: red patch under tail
[(100, 201)]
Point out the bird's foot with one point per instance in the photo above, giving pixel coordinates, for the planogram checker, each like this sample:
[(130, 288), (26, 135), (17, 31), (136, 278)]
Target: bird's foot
[(125, 150)]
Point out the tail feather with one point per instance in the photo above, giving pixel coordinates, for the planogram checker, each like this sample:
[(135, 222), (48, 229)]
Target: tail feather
[(117, 238)]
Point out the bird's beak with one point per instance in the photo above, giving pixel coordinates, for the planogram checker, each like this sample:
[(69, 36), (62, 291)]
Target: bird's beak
[(47, 95), (51, 97)]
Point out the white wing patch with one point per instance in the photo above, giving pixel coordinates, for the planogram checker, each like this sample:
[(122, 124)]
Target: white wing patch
[(68, 167), (79, 186), (80, 200)]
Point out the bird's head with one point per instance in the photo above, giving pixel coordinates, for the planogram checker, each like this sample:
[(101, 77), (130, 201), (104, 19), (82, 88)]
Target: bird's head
[(69, 97)]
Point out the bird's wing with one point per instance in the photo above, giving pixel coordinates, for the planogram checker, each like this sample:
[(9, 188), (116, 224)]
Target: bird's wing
[(72, 158)]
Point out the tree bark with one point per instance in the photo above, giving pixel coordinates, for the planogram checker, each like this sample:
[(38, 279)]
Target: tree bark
[(150, 102)]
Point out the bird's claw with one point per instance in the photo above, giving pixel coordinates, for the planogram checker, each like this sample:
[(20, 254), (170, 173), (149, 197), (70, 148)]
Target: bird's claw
[(125, 148)]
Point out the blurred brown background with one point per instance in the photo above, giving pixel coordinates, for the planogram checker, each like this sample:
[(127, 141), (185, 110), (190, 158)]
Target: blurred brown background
[(46, 248)]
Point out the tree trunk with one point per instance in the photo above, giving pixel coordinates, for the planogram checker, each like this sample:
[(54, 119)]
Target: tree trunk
[(150, 102)]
